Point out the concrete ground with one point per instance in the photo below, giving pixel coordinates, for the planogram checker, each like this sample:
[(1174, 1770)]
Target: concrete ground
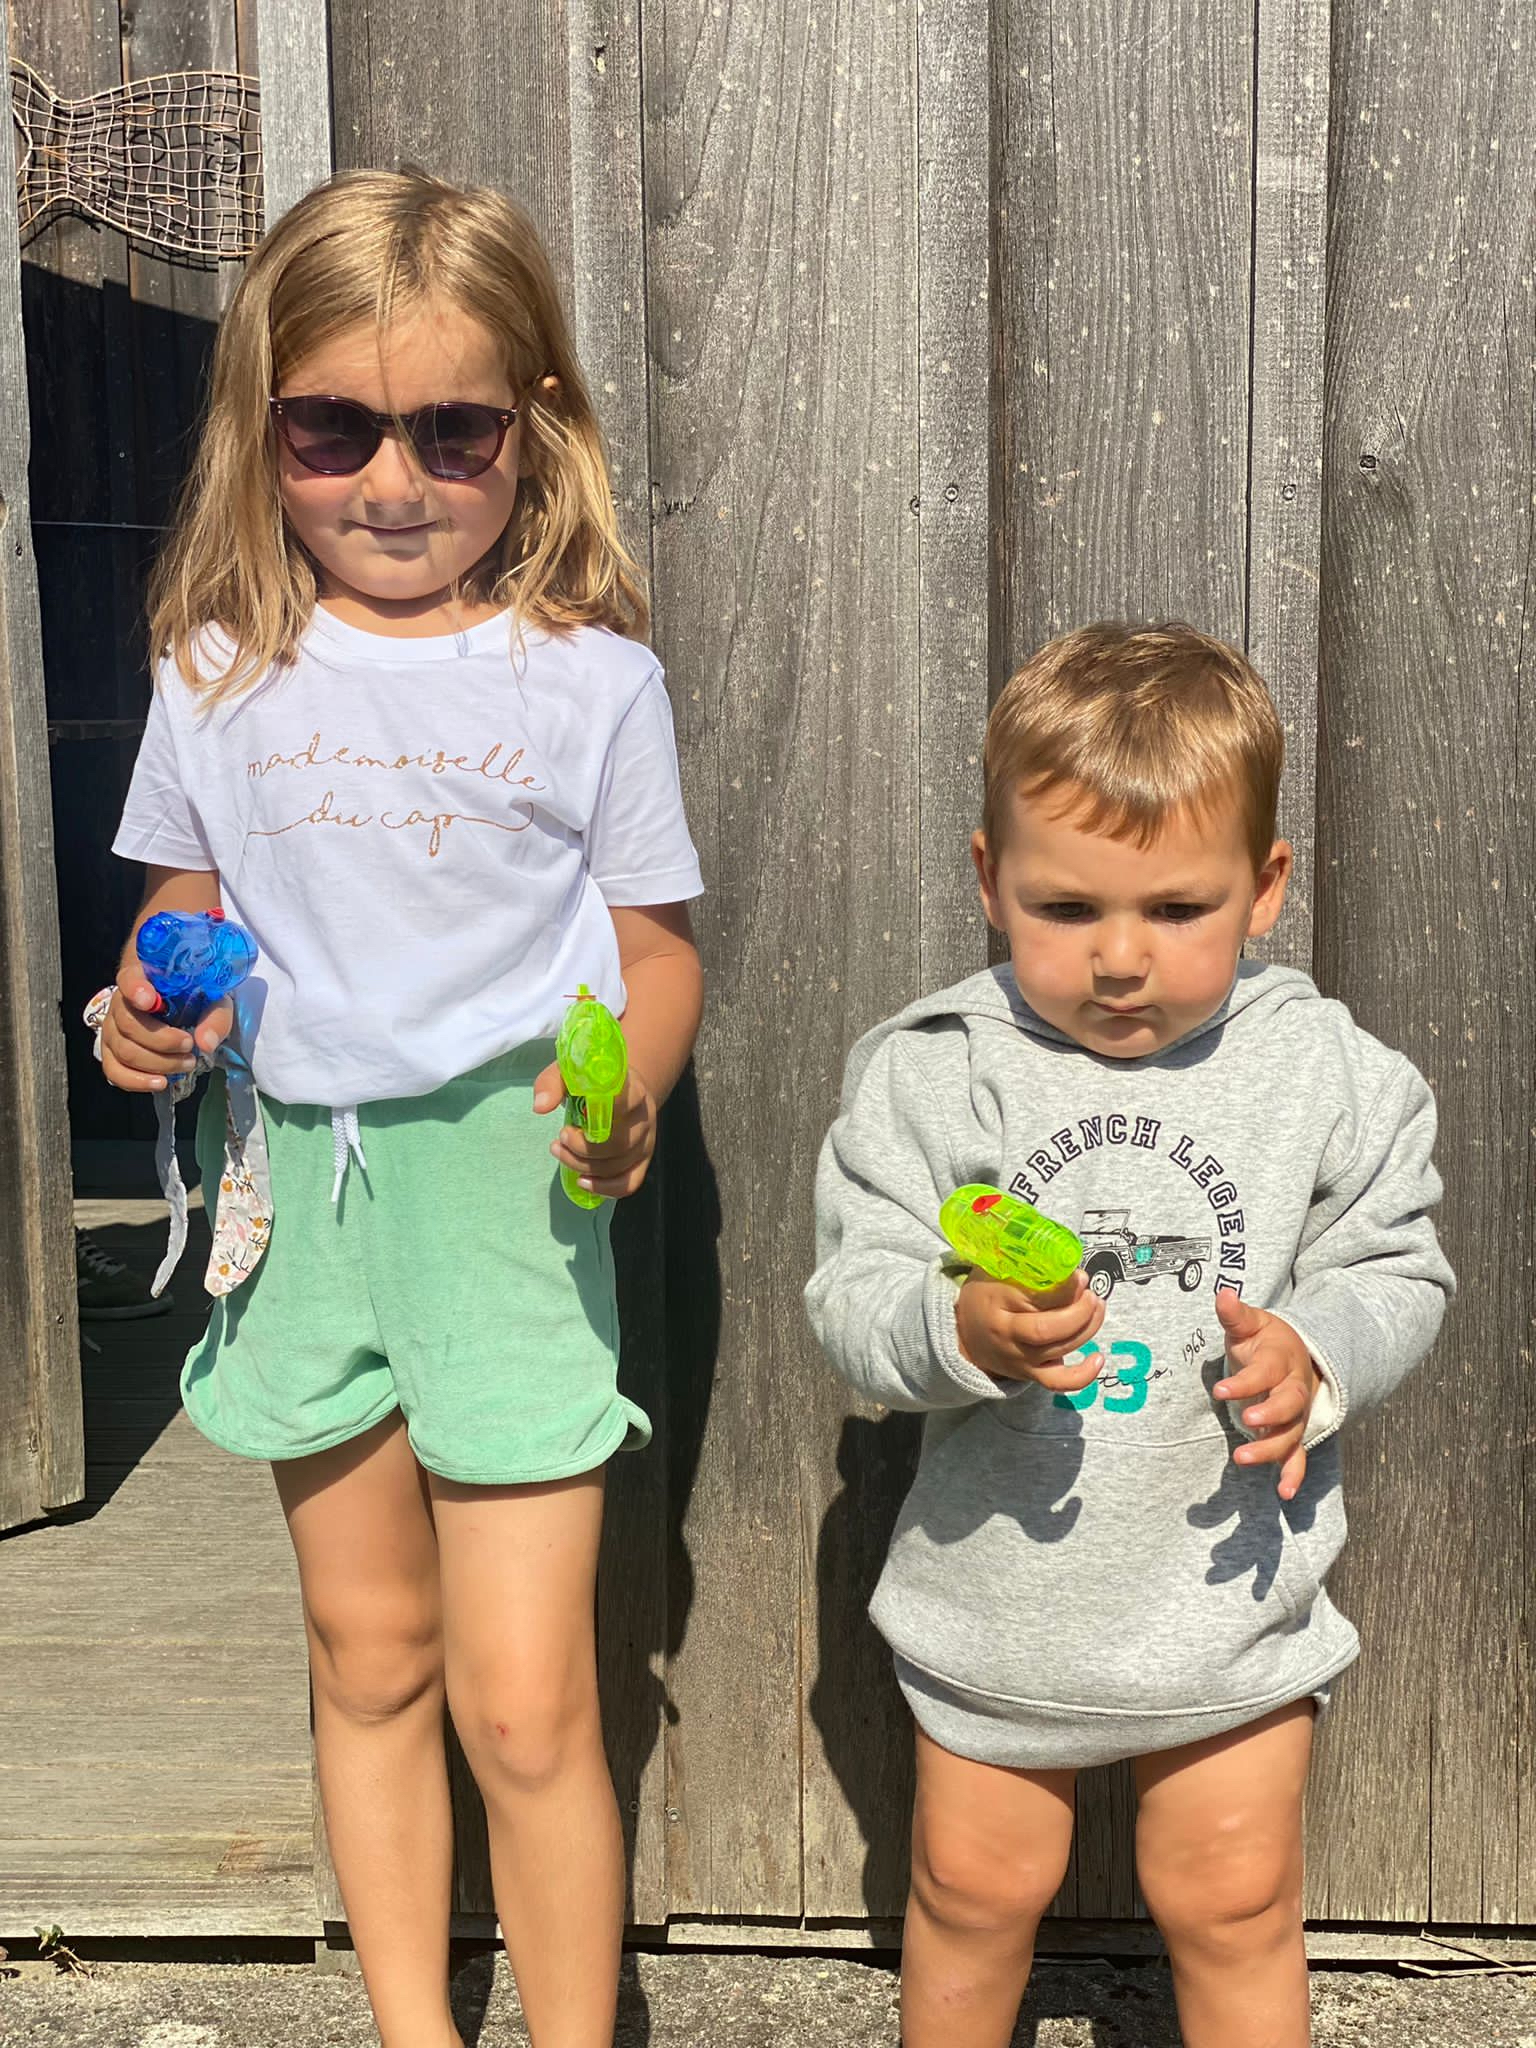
[(723, 2001)]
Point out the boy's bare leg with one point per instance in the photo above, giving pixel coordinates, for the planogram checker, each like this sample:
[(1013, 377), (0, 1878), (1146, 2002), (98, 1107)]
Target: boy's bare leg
[(362, 1531), (1218, 1851), (519, 1568), (989, 1851)]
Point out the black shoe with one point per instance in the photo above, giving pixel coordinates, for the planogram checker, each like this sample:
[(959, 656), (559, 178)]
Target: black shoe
[(107, 1291)]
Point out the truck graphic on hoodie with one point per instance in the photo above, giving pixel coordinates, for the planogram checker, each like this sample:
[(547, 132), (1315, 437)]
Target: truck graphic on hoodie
[(1113, 1251)]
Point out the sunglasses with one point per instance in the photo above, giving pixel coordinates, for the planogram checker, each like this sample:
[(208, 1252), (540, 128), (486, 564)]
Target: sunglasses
[(453, 441)]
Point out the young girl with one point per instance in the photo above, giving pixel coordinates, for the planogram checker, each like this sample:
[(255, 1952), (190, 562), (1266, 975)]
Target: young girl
[(405, 731)]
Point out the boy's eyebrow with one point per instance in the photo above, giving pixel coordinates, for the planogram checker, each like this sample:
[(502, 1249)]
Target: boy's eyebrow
[(1055, 888)]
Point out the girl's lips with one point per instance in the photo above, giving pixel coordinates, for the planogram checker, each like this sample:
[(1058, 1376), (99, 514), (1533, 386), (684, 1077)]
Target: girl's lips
[(1124, 1009)]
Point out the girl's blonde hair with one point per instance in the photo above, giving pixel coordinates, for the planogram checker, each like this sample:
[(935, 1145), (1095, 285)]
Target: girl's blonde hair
[(1132, 723), (366, 249)]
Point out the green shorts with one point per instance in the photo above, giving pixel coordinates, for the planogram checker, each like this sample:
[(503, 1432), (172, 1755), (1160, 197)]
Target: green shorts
[(452, 1280)]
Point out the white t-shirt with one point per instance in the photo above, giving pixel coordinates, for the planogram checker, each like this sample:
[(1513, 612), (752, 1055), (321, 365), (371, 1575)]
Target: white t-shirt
[(423, 837)]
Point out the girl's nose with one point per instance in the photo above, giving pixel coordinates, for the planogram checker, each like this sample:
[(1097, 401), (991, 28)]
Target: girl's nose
[(392, 478)]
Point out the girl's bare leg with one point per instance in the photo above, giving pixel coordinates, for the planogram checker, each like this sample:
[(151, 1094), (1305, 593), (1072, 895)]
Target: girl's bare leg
[(519, 1569), (1218, 1851), (362, 1530), (989, 1851)]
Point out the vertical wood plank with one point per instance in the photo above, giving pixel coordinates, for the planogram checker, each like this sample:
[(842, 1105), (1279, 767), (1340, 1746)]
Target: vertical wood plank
[(1123, 186), (42, 1445), (294, 66), (1285, 485), (858, 1733), (1123, 167), (608, 288), (1426, 1793), (175, 307), (954, 511), (779, 161), (469, 93)]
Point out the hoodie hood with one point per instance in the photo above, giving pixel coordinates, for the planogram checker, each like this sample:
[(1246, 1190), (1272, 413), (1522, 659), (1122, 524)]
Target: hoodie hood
[(993, 995)]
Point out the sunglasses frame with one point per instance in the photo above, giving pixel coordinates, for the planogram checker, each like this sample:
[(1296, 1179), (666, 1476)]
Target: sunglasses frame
[(387, 423)]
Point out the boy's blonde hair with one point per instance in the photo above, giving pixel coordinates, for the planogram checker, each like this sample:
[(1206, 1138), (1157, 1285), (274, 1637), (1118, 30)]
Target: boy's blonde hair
[(363, 250), (1133, 723)]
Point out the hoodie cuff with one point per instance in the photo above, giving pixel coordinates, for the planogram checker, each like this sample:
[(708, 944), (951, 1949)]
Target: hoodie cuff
[(940, 1294), (1329, 1403)]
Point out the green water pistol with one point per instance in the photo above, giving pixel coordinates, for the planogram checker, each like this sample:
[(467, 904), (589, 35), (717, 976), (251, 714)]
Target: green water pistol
[(1009, 1240), (593, 1066)]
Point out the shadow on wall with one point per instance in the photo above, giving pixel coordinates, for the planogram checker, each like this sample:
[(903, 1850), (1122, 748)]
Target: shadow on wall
[(666, 1249), (855, 1703)]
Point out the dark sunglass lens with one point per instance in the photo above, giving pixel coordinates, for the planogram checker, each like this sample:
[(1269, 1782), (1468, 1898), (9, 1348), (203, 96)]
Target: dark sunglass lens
[(329, 435), (456, 442)]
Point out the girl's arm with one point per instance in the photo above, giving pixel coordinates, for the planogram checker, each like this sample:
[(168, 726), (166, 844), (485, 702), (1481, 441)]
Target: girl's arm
[(665, 982), (665, 986), (137, 1052)]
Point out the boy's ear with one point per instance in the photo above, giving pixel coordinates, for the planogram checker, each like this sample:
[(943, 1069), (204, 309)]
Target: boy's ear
[(1270, 888), (986, 875)]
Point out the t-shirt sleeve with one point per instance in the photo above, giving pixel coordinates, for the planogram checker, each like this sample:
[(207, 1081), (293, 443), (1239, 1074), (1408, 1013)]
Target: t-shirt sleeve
[(160, 822), (638, 846)]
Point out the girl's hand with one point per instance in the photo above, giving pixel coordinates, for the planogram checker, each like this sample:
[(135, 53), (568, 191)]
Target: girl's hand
[(142, 1054), (1017, 1336), (1274, 1367), (617, 1166)]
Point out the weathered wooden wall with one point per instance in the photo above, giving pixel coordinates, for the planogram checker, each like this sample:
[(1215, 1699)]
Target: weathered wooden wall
[(967, 325), (920, 336)]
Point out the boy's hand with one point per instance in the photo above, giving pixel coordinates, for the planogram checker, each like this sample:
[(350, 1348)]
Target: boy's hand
[(140, 1052), (1018, 1336), (617, 1166), (1275, 1371)]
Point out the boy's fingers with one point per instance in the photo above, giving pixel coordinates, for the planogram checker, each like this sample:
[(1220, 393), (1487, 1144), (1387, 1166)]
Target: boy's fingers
[(1063, 1378), (1273, 1448), (1050, 1327), (1292, 1473), (1287, 1404), (1256, 1378), (1238, 1318)]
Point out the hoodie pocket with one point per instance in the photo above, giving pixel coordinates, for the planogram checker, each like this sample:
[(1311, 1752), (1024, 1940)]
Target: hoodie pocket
[(1080, 1572)]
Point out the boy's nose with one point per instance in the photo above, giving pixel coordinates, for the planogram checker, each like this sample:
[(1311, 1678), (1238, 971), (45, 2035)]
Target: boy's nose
[(1120, 954)]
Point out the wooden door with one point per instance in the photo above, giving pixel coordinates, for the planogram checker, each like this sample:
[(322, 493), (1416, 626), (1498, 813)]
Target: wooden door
[(42, 1457)]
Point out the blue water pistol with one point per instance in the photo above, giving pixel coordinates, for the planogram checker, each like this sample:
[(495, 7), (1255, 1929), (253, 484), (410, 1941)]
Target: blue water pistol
[(192, 959)]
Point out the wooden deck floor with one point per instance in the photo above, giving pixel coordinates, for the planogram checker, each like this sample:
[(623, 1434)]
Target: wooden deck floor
[(154, 1746)]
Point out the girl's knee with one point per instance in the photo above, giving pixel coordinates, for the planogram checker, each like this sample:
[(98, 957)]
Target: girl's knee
[(375, 1675), (978, 1887), (523, 1739)]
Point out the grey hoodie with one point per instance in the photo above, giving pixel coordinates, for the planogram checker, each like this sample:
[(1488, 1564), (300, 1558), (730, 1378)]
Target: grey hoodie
[(1077, 1578)]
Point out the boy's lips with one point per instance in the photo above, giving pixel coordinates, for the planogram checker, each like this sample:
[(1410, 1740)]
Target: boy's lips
[(1124, 1009)]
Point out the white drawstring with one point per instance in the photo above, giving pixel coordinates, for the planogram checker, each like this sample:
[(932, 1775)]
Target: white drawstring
[(346, 1143)]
